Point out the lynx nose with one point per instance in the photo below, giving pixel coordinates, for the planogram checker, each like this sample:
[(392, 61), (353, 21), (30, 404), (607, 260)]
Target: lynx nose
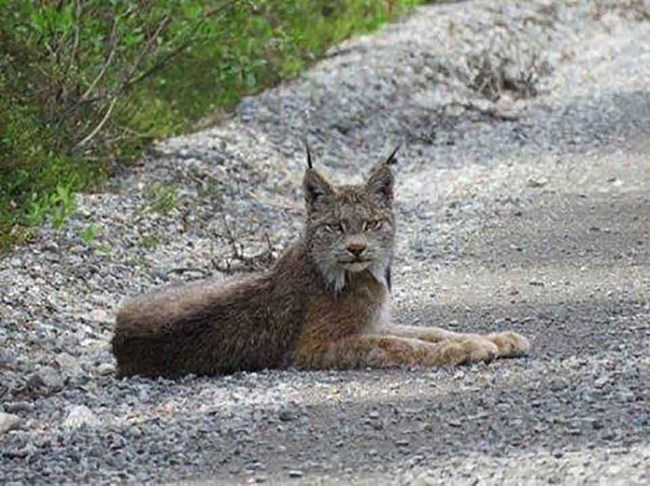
[(356, 247)]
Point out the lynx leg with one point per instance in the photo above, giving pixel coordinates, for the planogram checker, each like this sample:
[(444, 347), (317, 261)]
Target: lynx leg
[(379, 351), (431, 334), (510, 344)]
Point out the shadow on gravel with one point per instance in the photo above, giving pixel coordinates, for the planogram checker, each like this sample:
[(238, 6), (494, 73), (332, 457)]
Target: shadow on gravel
[(569, 230), (582, 124), (570, 272), (585, 123), (606, 121), (549, 412)]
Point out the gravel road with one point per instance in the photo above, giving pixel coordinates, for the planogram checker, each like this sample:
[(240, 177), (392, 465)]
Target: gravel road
[(524, 204)]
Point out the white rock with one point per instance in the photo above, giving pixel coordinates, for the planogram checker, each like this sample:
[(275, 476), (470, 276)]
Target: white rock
[(80, 416), (537, 182), (106, 369), (9, 422), (100, 316)]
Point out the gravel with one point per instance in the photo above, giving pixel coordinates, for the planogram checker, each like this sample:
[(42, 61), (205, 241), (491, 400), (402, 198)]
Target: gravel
[(524, 202)]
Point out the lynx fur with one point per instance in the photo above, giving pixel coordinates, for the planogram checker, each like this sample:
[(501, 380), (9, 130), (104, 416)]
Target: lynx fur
[(323, 305)]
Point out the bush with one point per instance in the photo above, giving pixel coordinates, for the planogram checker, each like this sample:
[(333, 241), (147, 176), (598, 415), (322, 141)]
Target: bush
[(87, 84)]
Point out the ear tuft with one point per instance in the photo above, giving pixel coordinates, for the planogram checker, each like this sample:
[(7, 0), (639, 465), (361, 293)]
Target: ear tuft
[(392, 159), (309, 164)]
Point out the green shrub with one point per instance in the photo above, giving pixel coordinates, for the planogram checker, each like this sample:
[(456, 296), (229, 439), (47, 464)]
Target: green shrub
[(87, 84)]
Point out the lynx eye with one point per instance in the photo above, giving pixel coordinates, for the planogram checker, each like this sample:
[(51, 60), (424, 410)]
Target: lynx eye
[(334, 228), (372, 225)]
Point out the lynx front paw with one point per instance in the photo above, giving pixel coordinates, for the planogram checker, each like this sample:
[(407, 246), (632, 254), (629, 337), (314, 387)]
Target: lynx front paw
[(471, 350), (510, 344)]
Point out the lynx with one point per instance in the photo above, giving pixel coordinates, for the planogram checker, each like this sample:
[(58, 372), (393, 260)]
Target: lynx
[(323, 305)]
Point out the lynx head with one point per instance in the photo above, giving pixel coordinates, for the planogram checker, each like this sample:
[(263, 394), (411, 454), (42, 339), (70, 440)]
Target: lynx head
[(350, 228)]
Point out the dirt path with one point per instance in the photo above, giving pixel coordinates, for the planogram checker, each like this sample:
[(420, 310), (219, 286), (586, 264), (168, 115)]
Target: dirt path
[(524, 203)]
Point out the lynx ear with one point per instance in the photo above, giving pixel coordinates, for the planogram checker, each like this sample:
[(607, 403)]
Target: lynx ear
[(314, 185), (381, 180), (316, 188)]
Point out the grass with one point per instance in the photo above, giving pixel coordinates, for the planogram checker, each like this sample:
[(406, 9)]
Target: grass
[(86, 85), (161, 198)]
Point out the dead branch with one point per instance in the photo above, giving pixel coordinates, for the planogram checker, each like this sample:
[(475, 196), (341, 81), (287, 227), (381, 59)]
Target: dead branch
[(238, 261), (99, 126)]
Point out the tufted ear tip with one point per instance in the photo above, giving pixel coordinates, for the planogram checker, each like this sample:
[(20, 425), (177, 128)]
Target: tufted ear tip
[(392, 159), (309, 163)]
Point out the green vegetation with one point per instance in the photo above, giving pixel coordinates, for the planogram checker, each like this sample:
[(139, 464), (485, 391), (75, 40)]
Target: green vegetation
[(161, 198), (85, 85), (89, 233), (149, 242)]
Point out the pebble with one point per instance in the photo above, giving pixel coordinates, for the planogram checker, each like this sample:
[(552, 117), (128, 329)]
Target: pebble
[(7, 358), (46, 380), (106, 369), (601, 381), (80, 416), (9, 422), (13, 407), (537, 182), (285, 416), (100, 316)]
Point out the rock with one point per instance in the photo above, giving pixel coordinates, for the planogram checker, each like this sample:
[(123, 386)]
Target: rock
[(7, 358), (601, 381), (295, 473), (69, 365), (45, 380), (65, 360), (537, 183), (51, 246), (13, 407), (16, 453), (10, 383), (9, 422), (106, 369), (285, 416), (80, 416), (507, 108), (100, 316)]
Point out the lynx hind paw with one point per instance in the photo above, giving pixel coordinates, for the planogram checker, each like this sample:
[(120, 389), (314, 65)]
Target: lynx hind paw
[(510, 344), (469, 351)]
